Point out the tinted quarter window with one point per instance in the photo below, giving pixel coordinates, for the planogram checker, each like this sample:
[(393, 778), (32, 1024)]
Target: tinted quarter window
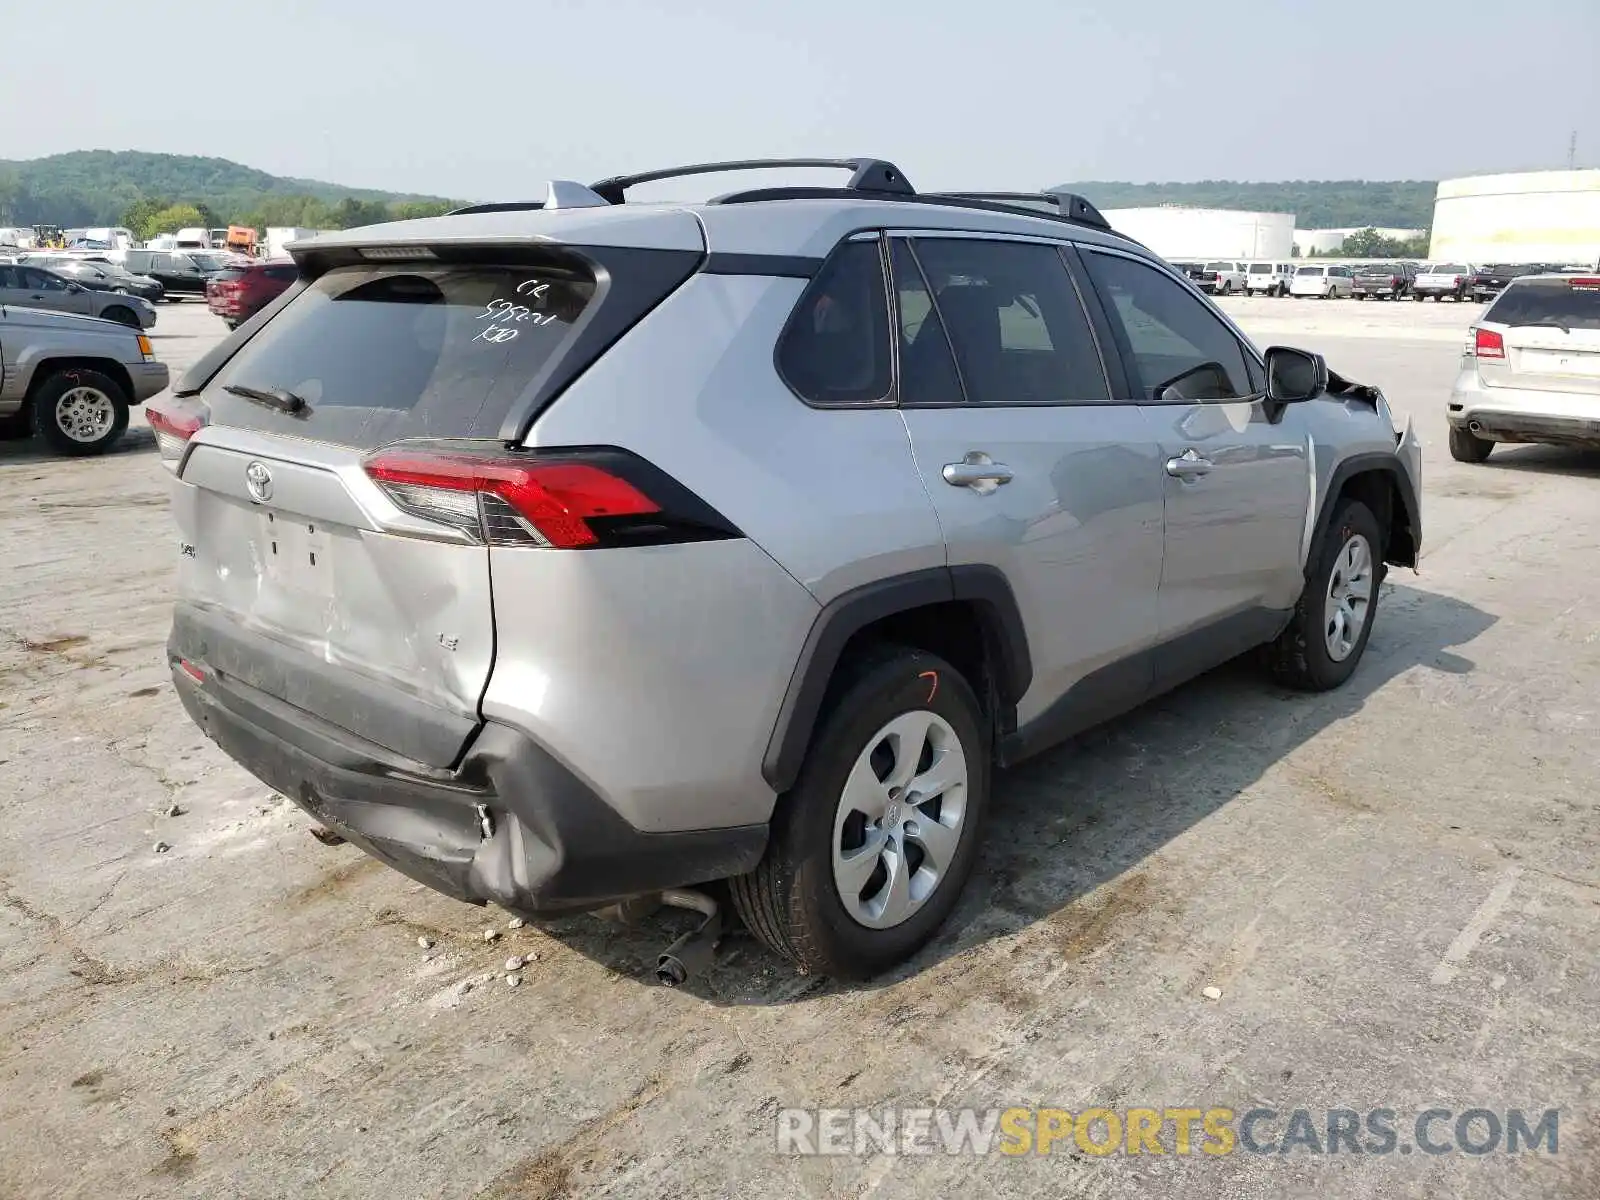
[(283, 274), (1178, 348), (1014, 319), (1549, 302), (927, 366), (835, 349)]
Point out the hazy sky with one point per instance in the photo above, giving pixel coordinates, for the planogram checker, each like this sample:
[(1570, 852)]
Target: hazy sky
[(487, 100)]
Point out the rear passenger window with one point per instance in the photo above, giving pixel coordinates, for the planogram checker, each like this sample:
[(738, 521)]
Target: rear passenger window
[(1014, 320), (835, 349), (1179, 350)]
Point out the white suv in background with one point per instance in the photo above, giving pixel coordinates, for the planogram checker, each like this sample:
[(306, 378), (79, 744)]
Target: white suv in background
[(1271, 278), (1530, 371), (1329, 283)]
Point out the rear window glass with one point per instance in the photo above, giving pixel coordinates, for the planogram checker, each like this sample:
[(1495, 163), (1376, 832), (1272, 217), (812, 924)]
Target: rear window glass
[(1261, 268), (1310, 271), (1450, 269), (229, 274), (1552, 302), (405, 350)]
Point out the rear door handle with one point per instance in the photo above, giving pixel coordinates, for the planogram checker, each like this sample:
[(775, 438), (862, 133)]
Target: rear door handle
[(977, 471), (1191, 464)]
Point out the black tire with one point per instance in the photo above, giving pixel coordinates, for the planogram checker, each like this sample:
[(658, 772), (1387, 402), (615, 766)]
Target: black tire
[(791, 901), (1361, 295), (1468, 447), (122, 315), (47, 416), (1299, 657), (1418, 297)]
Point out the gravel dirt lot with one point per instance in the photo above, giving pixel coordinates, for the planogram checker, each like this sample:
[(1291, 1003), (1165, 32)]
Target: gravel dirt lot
[(1395, 888)]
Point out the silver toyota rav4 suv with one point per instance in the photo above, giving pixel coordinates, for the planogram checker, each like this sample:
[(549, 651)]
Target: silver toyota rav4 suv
[(576, 554)]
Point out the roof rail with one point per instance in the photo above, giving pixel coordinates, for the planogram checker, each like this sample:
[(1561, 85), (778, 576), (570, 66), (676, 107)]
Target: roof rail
[(867, 174), (870, 179), (1064, 204)]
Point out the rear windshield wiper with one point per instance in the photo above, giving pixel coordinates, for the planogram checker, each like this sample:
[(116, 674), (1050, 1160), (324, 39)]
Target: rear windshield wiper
[(1541, 325), (279, 398)]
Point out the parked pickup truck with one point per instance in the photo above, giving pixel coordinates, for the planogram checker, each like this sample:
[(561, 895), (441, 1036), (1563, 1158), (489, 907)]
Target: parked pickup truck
[(1223, 278), (1384, 281), (1490, 280), (72, 379), (1441, 280)]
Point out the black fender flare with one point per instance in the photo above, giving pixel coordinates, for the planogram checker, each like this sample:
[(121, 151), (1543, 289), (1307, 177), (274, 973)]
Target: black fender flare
[(984, 587), (1361, 464)]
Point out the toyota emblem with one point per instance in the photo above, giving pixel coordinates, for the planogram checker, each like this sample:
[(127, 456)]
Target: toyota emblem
[(258, 481)]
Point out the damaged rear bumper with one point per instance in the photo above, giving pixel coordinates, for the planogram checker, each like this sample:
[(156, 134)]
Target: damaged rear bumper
[(509, 824)]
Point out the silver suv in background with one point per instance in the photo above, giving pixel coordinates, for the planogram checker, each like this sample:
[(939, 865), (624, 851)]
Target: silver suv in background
[(72, 379), (1530, 371), (562, 554)]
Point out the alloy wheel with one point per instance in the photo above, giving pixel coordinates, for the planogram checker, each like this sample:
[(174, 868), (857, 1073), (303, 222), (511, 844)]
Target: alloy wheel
[(85, 414), (899, 819), (1349, 598)]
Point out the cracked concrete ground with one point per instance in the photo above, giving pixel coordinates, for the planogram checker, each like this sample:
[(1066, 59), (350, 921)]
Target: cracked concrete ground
[(1394, 886)]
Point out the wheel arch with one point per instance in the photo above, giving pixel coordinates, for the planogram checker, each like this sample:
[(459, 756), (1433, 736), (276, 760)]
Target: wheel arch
[(46, 368), (967, 613), (1380, 482)]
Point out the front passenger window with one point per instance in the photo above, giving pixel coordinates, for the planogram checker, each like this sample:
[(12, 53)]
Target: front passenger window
[(43, 281), (1179, 350)]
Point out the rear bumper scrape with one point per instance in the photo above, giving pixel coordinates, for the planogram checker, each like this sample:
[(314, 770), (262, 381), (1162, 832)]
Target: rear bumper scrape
[(509, 825)]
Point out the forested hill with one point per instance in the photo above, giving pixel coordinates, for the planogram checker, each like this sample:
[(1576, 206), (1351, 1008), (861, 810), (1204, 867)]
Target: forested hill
[(99, 187), (1316, 204)]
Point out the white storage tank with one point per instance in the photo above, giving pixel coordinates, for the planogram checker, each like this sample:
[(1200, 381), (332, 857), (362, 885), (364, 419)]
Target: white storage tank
[(1183, 233), (1536, 216)]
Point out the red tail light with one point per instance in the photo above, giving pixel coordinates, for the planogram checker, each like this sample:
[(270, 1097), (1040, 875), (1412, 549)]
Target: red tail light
[(572, 500), (1488, 344), (173, 427)]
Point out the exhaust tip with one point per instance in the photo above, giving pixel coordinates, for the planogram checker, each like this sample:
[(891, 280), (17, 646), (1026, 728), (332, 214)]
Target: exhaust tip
[(1474, 427), (670, 972)]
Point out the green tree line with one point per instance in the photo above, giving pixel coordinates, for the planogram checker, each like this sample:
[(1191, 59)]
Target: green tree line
[(147, 216), (1369, 243)]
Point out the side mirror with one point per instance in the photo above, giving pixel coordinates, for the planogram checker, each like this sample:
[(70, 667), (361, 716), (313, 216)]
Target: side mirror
[(1295, 375)]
